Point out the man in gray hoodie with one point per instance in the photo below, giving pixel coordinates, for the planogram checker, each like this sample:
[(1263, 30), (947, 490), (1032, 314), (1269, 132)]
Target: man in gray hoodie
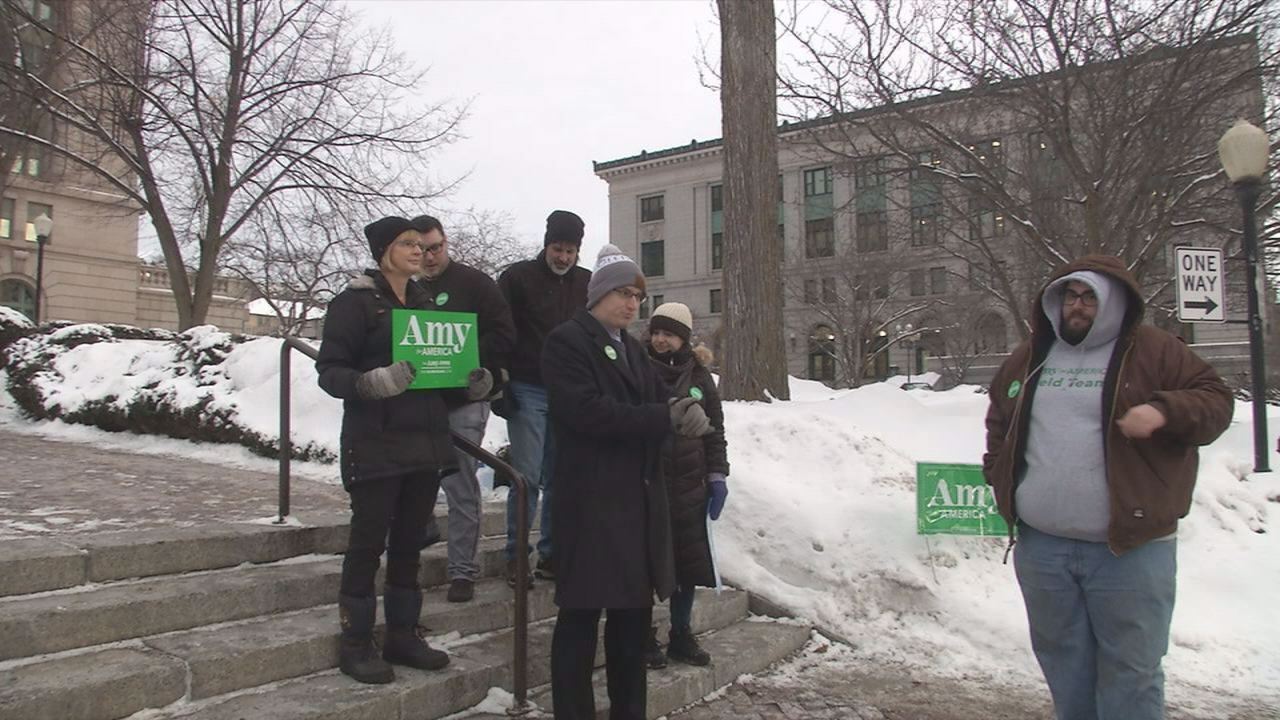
[(1091, 453)]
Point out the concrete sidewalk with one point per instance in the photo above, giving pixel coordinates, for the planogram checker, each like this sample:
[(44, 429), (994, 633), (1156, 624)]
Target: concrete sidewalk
[(51, 488)]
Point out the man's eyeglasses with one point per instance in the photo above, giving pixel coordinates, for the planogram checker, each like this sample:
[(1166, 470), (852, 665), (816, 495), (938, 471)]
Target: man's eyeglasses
[(1086, 298), (630, 294)]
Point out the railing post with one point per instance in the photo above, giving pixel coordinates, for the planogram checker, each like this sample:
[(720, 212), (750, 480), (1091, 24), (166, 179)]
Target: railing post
[(520, 660), (286, 432)]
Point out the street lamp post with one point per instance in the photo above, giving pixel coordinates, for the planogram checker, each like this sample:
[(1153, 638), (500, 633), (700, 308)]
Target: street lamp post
[(1243, 151), (44, 228), (908, 343)]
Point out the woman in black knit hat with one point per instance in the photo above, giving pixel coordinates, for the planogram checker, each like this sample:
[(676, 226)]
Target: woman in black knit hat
[(394, 448)]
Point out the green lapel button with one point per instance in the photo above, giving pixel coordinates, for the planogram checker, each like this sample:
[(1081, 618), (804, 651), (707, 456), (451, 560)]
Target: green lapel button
[(1014, 388), (610, 352)]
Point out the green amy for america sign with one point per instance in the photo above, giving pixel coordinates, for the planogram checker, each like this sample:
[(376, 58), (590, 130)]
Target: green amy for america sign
[(443, 346)]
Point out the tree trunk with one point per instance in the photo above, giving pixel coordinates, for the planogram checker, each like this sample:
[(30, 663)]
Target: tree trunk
[(755, 365)]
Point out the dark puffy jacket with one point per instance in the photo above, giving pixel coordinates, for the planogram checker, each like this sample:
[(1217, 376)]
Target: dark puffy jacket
[(540, 300), (686, 462), (405, 434), (462, 288), (1150, 481)]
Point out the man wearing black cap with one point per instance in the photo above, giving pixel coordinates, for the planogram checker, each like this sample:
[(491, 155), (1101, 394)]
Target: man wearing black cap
[(452, 286), (542, 292)]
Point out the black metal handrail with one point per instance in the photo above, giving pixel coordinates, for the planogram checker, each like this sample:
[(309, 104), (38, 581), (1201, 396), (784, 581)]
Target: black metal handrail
[(520, 653)]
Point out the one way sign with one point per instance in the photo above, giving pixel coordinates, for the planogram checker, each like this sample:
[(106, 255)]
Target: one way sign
[(1200, 284)]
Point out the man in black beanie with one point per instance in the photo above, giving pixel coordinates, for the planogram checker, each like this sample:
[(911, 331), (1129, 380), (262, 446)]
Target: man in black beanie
[(542, 292)]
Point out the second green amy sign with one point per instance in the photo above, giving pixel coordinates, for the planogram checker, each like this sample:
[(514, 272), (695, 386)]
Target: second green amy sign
[(443, 346)]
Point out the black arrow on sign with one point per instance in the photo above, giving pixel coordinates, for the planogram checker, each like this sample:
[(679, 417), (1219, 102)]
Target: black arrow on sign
[(1207, 305)]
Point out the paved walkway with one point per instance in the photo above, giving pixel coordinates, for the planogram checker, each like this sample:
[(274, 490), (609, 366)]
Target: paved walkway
[(51, 487)]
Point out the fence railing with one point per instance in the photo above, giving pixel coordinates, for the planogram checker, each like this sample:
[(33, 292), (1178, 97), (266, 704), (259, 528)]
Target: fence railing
[(520, 653)]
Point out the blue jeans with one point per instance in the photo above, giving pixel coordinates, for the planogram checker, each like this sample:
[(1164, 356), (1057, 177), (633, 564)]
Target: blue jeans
[(1099, 623), (533, 455)]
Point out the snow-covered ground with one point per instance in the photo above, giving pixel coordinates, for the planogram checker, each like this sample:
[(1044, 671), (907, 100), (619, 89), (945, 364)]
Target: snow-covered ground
[(821, 514)]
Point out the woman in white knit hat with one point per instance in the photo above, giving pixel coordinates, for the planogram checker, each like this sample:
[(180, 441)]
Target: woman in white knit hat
[(694, 471)]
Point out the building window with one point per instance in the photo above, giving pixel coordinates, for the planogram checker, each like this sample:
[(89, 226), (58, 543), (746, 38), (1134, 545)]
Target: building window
[(989, 154), (829, 291), (918, 282), (717, 251), (34, 41), (819, 238), (938, 280), (656, 301), (34, 210), (652, 260), (822, 354), (6, 218), (810, 292), (717, 198), (869, 174), (817, 182), (716, 302), (926, 199), (873, 231), (652, 208), (985, 221), (19, 296)]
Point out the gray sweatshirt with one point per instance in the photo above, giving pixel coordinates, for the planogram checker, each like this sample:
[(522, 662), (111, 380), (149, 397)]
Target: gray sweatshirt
[(1063, 490)]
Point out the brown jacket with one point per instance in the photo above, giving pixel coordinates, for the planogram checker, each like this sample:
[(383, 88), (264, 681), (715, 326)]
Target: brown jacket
[(1150, 480)]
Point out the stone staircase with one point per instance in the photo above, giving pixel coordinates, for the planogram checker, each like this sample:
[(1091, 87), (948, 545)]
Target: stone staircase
[(238, 621)]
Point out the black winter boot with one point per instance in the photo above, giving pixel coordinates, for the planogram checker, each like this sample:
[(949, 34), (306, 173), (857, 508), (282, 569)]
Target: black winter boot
[(653, 655), (684, 647), (404, 644), (357, 652)]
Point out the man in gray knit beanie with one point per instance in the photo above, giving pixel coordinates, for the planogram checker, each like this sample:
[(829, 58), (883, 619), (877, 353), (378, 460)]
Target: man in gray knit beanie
[(613, 270)]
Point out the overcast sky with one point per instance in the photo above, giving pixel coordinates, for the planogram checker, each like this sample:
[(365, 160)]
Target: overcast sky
[(553, 86)]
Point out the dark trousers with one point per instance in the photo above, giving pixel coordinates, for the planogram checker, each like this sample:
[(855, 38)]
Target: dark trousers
[(681, 610), (387, 514), (573, 653)]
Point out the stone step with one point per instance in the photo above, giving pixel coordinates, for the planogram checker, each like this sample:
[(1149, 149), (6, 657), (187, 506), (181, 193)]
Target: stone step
[(748, 646), (478, 663), (216, 659), (31, 565), (94, 615)]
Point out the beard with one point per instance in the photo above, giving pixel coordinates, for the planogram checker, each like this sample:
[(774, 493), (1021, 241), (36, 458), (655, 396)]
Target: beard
[(1075, 333)]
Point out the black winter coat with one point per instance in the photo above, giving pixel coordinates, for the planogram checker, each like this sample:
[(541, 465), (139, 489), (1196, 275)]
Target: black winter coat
[(462, 288), (686, 462), (405, 434), (540, 300), (609, 509)]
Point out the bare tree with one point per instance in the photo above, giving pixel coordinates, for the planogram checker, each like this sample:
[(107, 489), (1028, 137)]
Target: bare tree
[(484, 240), (1052, 128), (963, 331), (755, 366), (296, 259), (202, 111), (851, 306)]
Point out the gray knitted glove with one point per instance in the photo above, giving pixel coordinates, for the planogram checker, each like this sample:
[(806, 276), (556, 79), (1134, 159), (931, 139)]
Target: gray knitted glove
[(479, 384), (688, 418), (385, 382)]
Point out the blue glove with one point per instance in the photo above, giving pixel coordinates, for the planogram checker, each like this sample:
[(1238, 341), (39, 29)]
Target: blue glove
[(718, 490)]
